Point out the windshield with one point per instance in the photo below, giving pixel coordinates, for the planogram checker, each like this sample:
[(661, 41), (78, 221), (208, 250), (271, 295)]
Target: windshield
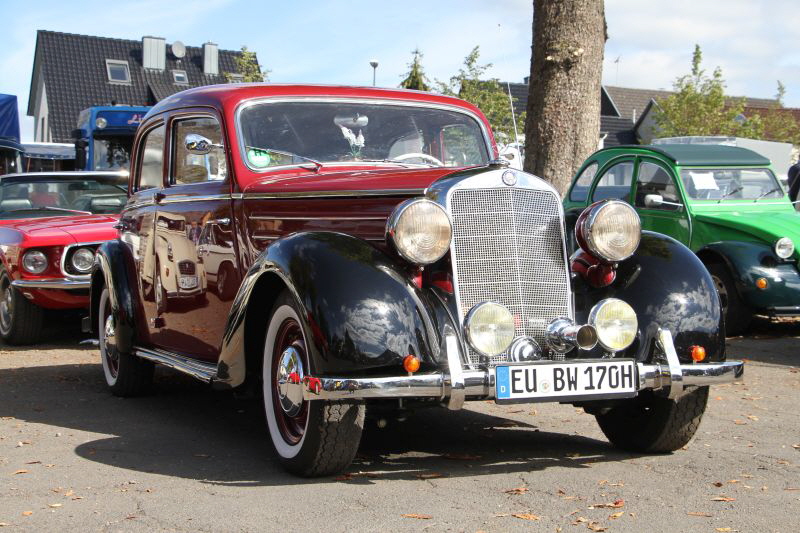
[(60, 198), (112, 153), (342, 131), (730, 183)]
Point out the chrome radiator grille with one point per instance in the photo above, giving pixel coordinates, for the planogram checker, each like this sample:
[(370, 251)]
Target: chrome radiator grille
[(508, 248)]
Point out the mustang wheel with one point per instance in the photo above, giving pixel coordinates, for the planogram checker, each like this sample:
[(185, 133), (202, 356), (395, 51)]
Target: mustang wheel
[(20, 320), (126, 374), (651, 423), (311, 438), (737, 315)]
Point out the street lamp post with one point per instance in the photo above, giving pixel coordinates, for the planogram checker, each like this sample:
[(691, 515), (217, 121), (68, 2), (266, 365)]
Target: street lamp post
[(374, 65)]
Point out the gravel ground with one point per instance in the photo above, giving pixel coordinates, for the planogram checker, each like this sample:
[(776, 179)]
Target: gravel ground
[(72, 457)]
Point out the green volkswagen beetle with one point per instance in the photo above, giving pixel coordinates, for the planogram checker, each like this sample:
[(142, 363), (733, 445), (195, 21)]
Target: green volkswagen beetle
[(723, 202)]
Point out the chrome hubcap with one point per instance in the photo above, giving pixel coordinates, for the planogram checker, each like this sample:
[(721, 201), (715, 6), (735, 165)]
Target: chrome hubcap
[(6, 307), (289, 381), (110, 333)]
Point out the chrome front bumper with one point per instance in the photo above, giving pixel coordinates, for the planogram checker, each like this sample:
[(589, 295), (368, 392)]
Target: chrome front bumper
[(454, 386), (55, 283)]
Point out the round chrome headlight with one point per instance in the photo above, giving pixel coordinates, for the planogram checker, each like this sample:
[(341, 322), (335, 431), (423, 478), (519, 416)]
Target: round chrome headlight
[(490, 328), (34, 262), (420, 231), (82, 260), (615, 323), (784, 248), (609, 230), (101, 123)]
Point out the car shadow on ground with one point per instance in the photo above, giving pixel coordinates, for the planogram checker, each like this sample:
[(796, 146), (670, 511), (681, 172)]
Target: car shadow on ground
[(766, 341), (185, 429)]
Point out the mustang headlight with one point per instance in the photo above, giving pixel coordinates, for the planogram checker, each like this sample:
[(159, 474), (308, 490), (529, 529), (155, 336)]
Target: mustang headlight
[(490, 328), (615, 323), (420, 231), (609, 230), (784, 248), (82, 260), (34, 261)]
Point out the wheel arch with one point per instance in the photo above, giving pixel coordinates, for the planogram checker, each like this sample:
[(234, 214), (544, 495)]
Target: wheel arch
[(112, 269)]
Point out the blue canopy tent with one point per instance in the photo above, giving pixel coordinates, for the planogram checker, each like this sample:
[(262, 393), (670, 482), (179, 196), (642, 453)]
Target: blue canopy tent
[(9, 117)]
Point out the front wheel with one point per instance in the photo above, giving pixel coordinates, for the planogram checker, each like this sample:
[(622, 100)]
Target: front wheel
[(654, 424), (311, 438), (20, 320)]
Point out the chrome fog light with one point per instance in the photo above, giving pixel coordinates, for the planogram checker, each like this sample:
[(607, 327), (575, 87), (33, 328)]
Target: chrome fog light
[(34, 261), (784, 248), (615, 322), (490, 328), (82, 260), (420, 231)]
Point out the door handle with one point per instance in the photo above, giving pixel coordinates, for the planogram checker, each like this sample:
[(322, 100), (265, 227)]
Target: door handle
[(158, 196)]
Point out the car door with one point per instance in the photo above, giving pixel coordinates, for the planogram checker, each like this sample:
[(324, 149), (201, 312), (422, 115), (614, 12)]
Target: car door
[(667, 216), (189, 316)]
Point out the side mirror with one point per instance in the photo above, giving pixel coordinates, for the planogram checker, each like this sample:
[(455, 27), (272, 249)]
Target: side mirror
[(653, 200), (199, 145)]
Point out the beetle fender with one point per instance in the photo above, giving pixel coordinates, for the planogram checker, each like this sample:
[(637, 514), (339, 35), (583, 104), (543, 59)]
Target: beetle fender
[(111, 269), (670, 288), (358, 305)]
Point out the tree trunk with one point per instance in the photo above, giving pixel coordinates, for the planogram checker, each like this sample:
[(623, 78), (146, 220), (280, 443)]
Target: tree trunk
[(563, 120)]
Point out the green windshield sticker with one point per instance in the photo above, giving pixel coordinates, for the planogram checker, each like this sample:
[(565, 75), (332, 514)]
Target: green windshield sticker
[(258, 158)]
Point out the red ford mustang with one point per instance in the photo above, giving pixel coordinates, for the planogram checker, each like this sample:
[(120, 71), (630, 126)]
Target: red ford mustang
[(50, 227)]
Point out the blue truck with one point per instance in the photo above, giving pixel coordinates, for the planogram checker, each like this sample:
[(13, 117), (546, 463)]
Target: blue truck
[(104, 136)]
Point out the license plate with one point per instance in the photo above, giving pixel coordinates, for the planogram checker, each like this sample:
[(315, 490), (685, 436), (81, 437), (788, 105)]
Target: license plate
[(188, 282), (558, 381)]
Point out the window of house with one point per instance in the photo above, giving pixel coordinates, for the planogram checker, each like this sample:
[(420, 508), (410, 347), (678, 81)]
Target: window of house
[(180, 77), (151, 173), (118, 71), (654, 179), (615, 182), (194, 168)]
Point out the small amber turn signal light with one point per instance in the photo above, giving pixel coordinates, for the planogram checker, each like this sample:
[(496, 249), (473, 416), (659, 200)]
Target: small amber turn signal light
[(698, 353), (761, 283), (411, 363)]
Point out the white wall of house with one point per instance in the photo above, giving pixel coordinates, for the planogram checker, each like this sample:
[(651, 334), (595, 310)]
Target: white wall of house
[(41, 118)]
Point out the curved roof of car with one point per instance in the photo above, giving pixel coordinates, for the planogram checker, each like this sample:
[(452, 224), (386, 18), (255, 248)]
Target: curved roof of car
[(223, 94), (703, 154)]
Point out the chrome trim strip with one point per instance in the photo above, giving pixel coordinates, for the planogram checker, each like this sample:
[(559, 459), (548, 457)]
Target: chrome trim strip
[(197, 369), (316, 99), (64, 259), (63, 284), (179, 198), (266, 237), (266, 217), (334, 194), (454, 367)]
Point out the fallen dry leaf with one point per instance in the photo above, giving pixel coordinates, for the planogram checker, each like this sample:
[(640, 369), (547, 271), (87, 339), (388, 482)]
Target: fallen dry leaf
[(579, 520), (27, 513), (723, 499), (526, 516), (705, 515), (430, 475), (796, 446), (594, 526), (417, 516), (54, 505), (4, 524), (752, 417), (740, 422), (461, 456), (518, 490), (616, 504), (718, 483), (20, 471), (343, 477), (33, 463), (724, 529), (616, 515)]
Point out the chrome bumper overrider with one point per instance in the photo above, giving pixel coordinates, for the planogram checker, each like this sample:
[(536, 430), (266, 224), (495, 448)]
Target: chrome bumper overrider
[(56, 283), (455, 386)]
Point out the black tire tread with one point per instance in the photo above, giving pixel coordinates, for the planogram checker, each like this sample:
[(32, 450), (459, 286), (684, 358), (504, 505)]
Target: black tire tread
[(339, 430), (28, 319), (737, 315)]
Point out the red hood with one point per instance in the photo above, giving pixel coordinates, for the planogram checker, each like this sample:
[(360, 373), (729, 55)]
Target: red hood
[(66, 230), (356, 178)]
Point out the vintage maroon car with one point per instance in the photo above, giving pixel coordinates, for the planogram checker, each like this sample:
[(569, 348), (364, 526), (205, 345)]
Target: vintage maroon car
[(50, 227), (334, 247)]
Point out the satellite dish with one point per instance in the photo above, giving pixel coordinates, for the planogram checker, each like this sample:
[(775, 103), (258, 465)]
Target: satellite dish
[(178, 49)]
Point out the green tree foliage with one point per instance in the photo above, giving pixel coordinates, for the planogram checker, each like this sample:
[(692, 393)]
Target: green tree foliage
[(247, 65), (780, 124), (487, 94), (416, 79)]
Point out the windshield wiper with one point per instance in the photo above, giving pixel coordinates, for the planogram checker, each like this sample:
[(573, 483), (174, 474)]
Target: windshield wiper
[(317, 164), (734, 191), (776, 189)]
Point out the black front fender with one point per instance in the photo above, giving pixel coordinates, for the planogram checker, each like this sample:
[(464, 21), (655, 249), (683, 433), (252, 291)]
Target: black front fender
[(670, 288), (112, 270)]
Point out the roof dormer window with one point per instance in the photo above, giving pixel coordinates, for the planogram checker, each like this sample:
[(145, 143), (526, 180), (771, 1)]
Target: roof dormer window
[(180, 77), (118, 71)]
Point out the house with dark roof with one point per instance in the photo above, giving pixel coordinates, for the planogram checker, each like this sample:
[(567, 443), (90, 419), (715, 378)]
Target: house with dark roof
[(73, 72)]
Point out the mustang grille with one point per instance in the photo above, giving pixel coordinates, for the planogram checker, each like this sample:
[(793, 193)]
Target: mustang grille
[(186, 268), (508, 248)]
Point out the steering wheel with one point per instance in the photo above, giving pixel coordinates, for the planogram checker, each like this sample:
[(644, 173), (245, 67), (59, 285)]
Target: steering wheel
[(418, 155)]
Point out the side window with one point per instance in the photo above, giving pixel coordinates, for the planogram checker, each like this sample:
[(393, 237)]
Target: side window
[(194, 168), (654, 179), (615, 183), (580, 191), (151, 173)]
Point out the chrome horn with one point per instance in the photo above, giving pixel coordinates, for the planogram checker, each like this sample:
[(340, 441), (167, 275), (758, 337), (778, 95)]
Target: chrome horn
[(563, 334)]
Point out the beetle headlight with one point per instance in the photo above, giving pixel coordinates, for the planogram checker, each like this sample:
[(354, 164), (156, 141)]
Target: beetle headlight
[(784, 248), (609, 230), (490, 328), (420, 231), (34, 261), (82, 260), (615, 323)]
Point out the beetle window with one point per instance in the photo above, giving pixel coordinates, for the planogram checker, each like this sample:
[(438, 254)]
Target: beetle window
[(194, 168), (151, 172), (580, 191), (654, 179), (615, 182)]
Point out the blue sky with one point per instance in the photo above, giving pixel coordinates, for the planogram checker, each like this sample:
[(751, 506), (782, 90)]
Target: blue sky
[(755, 42)]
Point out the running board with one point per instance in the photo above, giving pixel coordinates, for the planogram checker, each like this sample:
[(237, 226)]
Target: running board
[(205, 372)]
